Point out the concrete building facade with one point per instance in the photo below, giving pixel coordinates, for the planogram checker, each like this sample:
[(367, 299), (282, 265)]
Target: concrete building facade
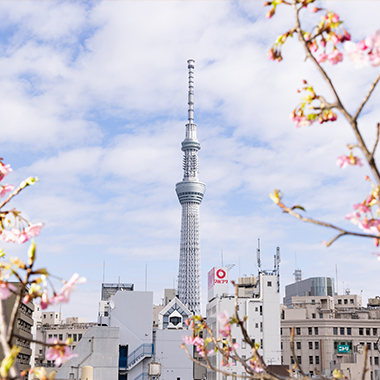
[(259, 301), (331, 332)]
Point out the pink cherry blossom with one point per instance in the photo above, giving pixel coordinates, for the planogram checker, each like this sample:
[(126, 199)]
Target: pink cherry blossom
[(335, 57), (322, 57), (64, 294), (5, 189), (225, 329), (361, 208), (355, 54), (59, 353), (335, 18), (354, 217), (4, 170), (188, 339), (335, 39), (5, 290), (300, 120), (33, 229), (343, 161), (45, 302)]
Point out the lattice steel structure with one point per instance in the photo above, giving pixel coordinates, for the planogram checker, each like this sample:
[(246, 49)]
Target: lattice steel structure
[(190, 194)]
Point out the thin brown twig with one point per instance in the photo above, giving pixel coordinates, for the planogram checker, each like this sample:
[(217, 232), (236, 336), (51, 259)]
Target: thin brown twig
[(31, 340), (366, 98), (324, 224), (294, 353), (377, 140), (365, 362)]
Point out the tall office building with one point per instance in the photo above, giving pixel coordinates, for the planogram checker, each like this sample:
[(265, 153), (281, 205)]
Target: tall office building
[(190, 194)]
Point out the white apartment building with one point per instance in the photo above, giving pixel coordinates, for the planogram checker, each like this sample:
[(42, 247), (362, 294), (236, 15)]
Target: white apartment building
[(259, 300), (331, 332)]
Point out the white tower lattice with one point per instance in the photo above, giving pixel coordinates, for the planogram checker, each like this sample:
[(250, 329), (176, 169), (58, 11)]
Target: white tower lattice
[(190, 194)]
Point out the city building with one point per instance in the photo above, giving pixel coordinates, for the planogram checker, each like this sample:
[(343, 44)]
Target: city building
[(23, 328), (331, 332), (127, 335), (190, 194), (258, 300), (49, 325), (314, 286)]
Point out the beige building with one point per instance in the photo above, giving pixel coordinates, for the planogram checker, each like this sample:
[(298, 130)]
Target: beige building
[(50, 325), (331, 332)]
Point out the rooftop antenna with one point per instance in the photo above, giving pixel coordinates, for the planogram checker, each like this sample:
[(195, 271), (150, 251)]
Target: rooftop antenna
[(258, 255), (146, 276)]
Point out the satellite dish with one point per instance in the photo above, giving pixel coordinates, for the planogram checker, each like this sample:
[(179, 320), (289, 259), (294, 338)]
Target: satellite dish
[(112, 304)]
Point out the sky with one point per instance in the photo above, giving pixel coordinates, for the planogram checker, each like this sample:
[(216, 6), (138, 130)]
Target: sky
[(94, 103)]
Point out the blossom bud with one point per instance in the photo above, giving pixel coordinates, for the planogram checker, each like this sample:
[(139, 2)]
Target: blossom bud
[(267, 3), (314, 10), (270, 13)]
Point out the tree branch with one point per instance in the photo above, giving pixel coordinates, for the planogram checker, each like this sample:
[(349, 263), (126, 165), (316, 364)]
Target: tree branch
[(294, 353), (324, 224), (366, 98)]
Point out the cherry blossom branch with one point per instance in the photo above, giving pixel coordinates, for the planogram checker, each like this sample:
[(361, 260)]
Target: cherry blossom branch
[(320, 223), (22, 186), (367, 97), (339, 106)]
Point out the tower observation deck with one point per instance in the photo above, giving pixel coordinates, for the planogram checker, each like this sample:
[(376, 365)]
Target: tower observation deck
[(190, 193)]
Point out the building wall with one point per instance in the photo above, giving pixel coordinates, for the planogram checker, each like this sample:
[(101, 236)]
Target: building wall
[(321, 326), (263, 323), (99, 349), (175, 363)]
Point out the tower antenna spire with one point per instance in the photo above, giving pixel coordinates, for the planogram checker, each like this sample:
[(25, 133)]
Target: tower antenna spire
[(190, 65), (190, 194)]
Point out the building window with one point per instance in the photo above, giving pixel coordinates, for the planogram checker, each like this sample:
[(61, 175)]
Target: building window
[(75, 337), (60, 337), (317, 360), (298, 344), (310, 330), (69, 335), (376, 360), (339, 302), (361, 331), (321, 315), (316, 330), (269, 283), (316, 345), (351, 301), (282, 346), (243, 344), (310, 345), (374, 331), (311, 360), (367, 331), (335, 330), (313, 302), (349, 331), (291, 360), (313, 316), (299, 359), (44, 315), (50, 336), (369, 345), (281, 331), (375, 347), (298, 330), (257, 325), (342, 331), (80, 337), (346, 301), (311, 373)]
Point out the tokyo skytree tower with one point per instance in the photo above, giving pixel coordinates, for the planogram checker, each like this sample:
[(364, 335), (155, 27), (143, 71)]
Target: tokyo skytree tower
[(190, 193)]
